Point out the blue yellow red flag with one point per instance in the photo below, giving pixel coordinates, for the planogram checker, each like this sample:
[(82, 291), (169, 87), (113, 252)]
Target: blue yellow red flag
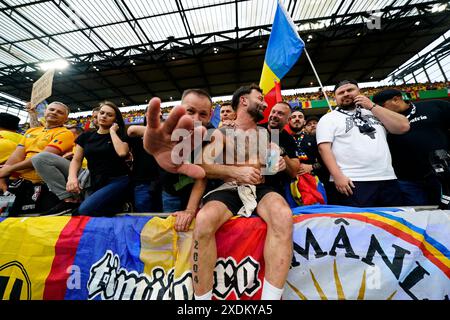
[(283, 50)]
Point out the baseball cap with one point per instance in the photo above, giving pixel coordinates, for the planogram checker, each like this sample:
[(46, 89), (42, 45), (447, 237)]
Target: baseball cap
[(310, 118), (384, 95), (343, 82)]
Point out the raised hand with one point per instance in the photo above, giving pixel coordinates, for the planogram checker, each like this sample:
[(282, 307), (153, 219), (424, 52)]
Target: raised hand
[(158, 142)]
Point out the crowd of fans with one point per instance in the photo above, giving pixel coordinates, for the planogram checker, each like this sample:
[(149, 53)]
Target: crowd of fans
[(164, 196), (100, 166), (137, 116), (369, 91)]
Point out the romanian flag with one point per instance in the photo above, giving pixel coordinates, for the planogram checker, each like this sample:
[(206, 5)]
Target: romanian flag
[(284, 48)]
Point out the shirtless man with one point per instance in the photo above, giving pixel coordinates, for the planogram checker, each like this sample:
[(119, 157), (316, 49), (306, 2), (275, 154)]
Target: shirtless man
[(221, 204)]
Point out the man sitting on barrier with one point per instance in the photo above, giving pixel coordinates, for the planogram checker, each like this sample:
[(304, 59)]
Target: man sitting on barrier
[(221, 204), (234, 198)]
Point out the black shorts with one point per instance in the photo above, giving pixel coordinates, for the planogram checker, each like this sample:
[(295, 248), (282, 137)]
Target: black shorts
[(231, 199)]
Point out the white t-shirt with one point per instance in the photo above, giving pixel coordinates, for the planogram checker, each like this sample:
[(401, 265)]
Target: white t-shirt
[(361, 157)]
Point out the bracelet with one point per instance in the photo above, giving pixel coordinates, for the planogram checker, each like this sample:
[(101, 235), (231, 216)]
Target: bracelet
[(373, 106)]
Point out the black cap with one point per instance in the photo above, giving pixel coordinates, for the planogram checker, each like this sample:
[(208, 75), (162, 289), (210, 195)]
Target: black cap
[(381, 97), (346, 81), (9, 121), (310, 118)]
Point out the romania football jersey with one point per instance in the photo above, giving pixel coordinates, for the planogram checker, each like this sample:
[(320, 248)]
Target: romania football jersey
[(37, 139)]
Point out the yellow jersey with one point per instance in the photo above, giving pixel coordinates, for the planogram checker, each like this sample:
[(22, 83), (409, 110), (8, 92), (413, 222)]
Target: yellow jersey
[(37, 139)]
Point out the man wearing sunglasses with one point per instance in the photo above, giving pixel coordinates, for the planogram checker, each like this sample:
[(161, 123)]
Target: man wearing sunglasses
[(353, 146)]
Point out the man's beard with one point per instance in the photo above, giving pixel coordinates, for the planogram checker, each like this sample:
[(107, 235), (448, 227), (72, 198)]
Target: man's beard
[(256, 114), (295, 129), (350, 106)]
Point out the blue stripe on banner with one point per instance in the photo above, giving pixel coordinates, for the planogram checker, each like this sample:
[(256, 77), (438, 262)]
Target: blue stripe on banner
[(423, 232), (285, 45), (121, 235), (320, 208)]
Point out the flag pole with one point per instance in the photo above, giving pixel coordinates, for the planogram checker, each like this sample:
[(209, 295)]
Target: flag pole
[(318, 79)]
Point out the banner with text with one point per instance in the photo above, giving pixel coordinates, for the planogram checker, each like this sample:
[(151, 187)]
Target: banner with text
[(338, 254), (42, 88)]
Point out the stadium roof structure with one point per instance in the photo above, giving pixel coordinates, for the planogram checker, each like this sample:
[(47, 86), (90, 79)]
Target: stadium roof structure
[(128, 51)]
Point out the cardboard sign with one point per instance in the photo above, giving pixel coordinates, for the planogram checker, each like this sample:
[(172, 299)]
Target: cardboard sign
[(42, 88)]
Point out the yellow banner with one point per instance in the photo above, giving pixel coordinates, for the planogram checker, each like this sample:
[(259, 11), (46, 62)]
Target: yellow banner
[(27, 247)]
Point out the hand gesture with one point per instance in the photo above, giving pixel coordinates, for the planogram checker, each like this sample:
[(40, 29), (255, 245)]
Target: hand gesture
[(158, 142)]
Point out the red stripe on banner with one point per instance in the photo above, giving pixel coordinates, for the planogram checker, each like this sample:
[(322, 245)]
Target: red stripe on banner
[(391, 229), (250, 235), (65, 251)]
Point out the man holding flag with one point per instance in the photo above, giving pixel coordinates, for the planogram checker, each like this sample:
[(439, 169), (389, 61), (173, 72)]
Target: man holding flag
[(284, 48)]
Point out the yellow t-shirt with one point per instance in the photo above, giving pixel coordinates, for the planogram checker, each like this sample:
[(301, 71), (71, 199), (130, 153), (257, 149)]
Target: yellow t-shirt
[(37, 139), (8, 143)]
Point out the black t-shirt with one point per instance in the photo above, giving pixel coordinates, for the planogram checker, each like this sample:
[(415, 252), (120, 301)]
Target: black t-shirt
[(308, 152), (306, 147), (279, 180), (429, 126), (103, 161), (145, 168)]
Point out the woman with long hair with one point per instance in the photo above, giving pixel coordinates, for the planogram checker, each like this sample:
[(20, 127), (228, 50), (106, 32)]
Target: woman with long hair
[(106, 150)]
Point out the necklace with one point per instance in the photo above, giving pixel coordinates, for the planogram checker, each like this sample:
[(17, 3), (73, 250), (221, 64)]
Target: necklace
[(362, 123)]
